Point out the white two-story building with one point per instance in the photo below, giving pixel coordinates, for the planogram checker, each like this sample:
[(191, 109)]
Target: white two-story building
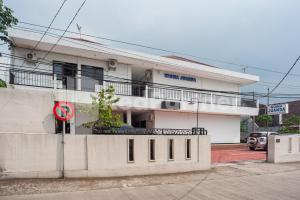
[(155, 92)]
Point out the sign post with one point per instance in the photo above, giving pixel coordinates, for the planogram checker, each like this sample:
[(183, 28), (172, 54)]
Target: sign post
[(63, 111)]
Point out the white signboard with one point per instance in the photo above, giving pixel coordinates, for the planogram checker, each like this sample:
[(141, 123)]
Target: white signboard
[(277, 109)]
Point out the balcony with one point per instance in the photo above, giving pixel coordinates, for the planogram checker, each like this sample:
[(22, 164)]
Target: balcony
[(154, 92)]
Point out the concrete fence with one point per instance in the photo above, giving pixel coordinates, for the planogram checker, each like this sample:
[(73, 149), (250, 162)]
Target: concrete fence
[(43, 156), (284, 148)]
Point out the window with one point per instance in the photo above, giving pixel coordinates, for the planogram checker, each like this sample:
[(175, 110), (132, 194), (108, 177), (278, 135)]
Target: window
[(188, 149), (171, 149), (65, 72), (130, 150), (151, 150), (59, 126), (90, 76)]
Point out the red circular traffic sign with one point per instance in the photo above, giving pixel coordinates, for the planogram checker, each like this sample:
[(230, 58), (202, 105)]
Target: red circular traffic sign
[(63, 110)]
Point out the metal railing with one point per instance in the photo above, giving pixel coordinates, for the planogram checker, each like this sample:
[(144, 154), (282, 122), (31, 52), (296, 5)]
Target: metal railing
[(131, 88)]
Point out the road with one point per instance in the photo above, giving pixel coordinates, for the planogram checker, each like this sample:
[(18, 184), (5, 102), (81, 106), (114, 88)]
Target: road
[(230, 181)]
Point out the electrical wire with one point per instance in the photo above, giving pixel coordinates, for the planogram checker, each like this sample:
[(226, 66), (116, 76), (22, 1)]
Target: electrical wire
[(285, 75), (62, 35), (49, 26), (241, 66)]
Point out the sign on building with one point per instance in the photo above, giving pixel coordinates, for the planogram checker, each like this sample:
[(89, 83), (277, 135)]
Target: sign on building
[(277, 109)]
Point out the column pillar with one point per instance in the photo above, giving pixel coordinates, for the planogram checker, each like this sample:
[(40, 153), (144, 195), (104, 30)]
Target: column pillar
[(128, 113)]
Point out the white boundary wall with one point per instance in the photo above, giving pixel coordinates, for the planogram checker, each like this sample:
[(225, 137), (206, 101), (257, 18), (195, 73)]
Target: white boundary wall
[(40, 155), (284, 148)]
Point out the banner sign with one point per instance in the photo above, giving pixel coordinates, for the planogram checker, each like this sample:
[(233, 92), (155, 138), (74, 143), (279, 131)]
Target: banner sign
[(276, 109), (183, 78)]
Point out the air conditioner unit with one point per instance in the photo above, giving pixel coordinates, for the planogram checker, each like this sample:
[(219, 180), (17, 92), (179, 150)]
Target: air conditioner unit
[(170, 105), (31, 57), (112, 65)]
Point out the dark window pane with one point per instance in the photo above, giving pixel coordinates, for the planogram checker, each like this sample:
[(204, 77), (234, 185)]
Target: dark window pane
[(171, 149), (59, 126), (188, 148), (66, 72), (90, 76), (131, 150), (152, 150)]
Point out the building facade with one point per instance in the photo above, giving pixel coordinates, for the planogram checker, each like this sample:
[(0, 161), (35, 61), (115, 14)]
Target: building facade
[(155, 92)]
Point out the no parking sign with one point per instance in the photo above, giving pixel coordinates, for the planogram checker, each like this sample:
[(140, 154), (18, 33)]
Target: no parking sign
[(63, 110)]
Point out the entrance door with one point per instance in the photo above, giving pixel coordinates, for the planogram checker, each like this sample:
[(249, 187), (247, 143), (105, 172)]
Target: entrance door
[(66, 72)]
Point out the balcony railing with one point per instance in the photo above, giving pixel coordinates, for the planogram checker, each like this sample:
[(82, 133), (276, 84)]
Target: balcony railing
[(131, 88)]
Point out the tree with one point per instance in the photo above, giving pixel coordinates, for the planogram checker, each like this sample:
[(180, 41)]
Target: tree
[(2, 83), (290, 123), (102, 104), (6, 20), (265, 119)]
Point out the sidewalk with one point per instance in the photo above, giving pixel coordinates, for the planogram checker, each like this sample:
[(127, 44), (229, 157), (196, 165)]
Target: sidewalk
[(229, 181)]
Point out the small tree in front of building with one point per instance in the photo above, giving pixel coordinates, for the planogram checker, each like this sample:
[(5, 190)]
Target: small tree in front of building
[(102, 105), (264, 119)]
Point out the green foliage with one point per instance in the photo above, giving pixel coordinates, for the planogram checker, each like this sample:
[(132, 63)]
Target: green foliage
[(265, 119), (102, 105), (290, 125), (243, 127), (292, 120), (6, 20), (2, 83)]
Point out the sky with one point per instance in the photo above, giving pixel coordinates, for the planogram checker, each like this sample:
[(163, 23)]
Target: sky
[(260, 33)]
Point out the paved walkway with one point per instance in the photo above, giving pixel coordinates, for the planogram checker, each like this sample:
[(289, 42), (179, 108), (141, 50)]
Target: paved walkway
[(232, 181), (235, 152)]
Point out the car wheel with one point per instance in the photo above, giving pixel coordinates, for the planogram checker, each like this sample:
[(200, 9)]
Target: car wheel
[(252, 148)]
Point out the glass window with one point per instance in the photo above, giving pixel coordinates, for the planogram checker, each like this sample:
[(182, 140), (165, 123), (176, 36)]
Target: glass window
[(65, 72), (90, 76)]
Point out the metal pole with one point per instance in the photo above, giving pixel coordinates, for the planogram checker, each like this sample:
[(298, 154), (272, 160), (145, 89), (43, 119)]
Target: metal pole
[(63, 149), (268, 102), (253, 119), (197, 115)]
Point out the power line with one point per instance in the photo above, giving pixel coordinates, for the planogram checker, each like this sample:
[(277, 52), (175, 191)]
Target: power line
[(62, 35), (241, 66), (49, 26), (285, 76)]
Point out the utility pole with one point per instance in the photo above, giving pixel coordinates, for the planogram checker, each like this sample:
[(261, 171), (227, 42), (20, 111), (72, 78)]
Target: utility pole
[(268, 102), (253, 119)]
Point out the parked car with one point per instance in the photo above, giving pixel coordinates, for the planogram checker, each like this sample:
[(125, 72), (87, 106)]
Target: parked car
[(258, 140)]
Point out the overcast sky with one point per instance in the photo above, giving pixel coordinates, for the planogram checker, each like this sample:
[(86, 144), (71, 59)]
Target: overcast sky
[(262, 33)]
